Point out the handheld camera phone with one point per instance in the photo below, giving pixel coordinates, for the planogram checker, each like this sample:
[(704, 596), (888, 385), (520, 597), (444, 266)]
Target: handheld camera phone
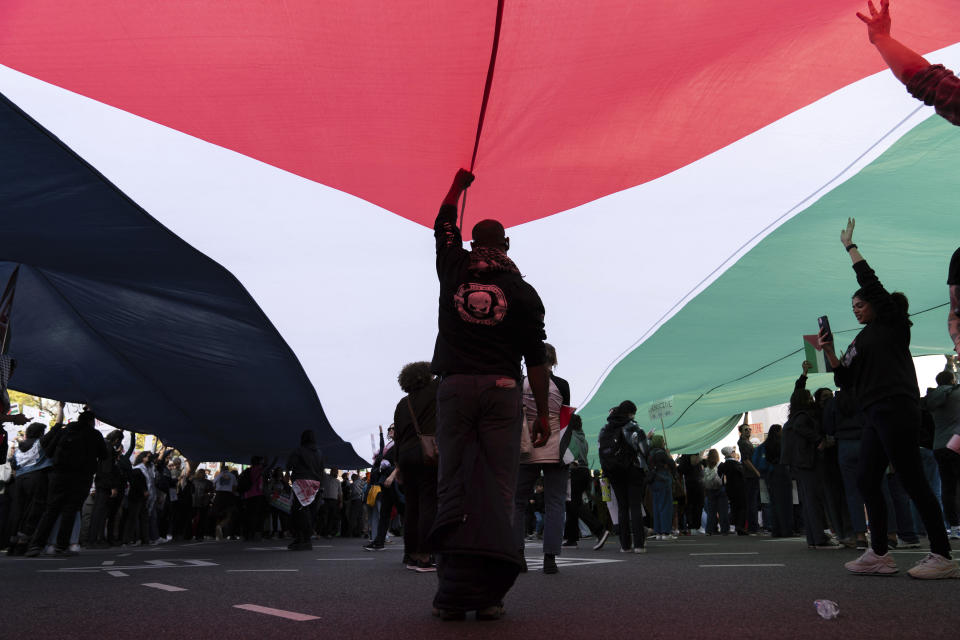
[(825, 328)]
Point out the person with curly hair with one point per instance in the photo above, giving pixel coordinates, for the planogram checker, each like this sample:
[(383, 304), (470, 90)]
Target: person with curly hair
[(416, 415)]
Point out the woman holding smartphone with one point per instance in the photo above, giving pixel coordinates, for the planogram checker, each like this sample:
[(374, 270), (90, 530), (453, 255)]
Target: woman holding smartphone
[(878, 369)]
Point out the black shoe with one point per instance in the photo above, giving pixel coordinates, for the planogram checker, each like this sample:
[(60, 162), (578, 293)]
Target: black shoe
[(570, 543), (373, 546), (300, 546), (33, 552), (550, 563)]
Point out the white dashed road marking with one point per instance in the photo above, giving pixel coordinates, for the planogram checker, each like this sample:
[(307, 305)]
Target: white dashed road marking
[(727, 553), (162, 587), (341, 559), (259, 570), (742, 565), (280, 613), (118, 574)]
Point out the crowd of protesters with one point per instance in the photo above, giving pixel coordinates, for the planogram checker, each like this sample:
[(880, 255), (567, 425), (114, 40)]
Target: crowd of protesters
[(69, 486), (807, 469)]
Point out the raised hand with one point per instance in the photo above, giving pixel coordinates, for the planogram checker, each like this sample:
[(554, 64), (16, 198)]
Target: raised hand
[(878, 23), (463, 179), (846, 236)]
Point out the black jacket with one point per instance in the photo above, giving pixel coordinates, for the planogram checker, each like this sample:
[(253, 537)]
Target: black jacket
[(489, 319), (878, 363), (75, 448), (305, 463), (108, 474), (799, 441), (841, 417)]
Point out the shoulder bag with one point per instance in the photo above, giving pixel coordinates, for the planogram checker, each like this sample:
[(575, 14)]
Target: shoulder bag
[(428, 443)]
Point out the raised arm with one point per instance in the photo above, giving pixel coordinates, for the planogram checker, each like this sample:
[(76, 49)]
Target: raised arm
[(461, 181), (932, 84), (801, 382), (445, 226), (902, 60)]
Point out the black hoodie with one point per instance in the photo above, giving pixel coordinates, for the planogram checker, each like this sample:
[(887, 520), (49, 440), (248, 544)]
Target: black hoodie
[(305, 462)]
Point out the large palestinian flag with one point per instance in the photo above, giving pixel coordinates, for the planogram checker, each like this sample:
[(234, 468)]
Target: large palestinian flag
[(223, 210)]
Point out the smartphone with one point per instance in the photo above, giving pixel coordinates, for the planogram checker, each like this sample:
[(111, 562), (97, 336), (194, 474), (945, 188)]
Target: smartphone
[(825, 328)]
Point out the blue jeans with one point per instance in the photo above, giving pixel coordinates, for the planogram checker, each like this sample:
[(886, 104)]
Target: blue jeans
[(555, 478), (662, 489)]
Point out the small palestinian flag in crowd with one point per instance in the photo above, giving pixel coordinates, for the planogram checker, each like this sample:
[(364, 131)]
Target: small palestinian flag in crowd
[(815, 356)]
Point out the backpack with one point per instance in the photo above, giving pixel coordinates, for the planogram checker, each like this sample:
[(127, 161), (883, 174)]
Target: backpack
[(653, 453), (711, 479), (760, 458), (616, 455)]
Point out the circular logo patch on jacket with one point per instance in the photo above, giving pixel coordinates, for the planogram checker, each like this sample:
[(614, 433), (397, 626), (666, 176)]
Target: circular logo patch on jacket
[(480, 303)]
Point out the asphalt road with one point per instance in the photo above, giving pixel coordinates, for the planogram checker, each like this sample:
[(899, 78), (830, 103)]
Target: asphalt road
[(720, 587)]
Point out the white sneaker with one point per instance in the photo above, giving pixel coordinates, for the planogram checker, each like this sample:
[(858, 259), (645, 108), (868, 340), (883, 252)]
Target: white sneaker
[(74, 548), (602, 540), (934, 567), (954, 533), (870, 564), (49, 550), (639, 549)]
